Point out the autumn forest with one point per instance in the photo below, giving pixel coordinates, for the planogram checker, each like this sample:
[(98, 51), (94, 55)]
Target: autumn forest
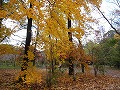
[(67, 45)]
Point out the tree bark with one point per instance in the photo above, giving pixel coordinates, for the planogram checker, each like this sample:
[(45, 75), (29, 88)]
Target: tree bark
[(71, 65), (83, 68), (27, 43), (51, 56), (35, 47), (1, 9), (82, 65)]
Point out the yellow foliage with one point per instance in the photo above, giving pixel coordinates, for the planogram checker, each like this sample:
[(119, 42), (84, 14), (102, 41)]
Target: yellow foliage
[(32, 75), (3, 13), (116, 36), (7, 49), (96, 2), (30, 55)]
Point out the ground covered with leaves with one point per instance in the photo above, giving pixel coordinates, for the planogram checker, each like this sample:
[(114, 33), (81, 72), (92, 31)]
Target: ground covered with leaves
[(85, 81)]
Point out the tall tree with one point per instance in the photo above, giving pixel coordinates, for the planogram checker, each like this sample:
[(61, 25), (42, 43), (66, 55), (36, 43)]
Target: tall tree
[(55, 14), (28, 41), (71, 64), (56, 17), (1, 9)]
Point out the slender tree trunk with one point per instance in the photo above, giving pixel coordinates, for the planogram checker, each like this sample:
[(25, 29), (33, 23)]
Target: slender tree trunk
[(35, 47), (82, 65), (51, 56), (1, 9), (95, 72), (27, 43), (71, 65), (51, 68), (83, 68)]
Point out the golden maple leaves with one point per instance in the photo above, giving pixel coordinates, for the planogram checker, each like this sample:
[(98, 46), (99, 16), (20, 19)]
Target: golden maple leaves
[(51, 17), (32, 75), (7, 49), (30, 55), (96, 2), (2, 13)]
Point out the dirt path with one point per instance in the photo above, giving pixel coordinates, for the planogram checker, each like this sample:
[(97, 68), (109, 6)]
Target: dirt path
[(109, 71), (113, 72)]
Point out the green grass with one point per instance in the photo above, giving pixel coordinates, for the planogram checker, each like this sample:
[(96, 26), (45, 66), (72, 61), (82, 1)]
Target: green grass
[(9, 67)]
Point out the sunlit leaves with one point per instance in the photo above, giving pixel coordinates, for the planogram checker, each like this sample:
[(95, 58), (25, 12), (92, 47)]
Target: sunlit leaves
[(4, 32), (116, 36), (95, 2), (7, 49), (50, 18), (32, 75), (3, 14), (30, 55)]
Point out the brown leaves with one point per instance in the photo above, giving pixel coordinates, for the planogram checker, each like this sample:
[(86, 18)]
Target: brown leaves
[(64, 82), (7, 78), (89, 82)]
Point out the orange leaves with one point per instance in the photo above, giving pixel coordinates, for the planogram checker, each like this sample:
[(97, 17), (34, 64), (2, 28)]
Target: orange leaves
[(36, 3), (3, 13), (13, 1), (30, 13)]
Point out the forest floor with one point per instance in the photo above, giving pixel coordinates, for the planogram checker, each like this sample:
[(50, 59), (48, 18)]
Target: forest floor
[(86, 81)]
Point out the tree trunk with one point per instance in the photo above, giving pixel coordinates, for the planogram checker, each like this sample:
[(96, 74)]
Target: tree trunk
[(83, 68), (95, 72), (0, 9), (71, 65), (82, 65), (27, 44), (51, 56), (35, 46)]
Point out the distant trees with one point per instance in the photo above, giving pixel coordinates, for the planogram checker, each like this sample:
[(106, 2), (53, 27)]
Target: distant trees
[(107, 52), (8, 55), (112, 47)]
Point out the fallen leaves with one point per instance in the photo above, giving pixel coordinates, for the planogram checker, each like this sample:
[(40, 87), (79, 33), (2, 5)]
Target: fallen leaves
[(64, 82)]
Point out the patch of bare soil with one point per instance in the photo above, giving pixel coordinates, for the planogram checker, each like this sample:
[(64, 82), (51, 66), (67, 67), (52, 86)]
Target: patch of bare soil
[(113, 72)]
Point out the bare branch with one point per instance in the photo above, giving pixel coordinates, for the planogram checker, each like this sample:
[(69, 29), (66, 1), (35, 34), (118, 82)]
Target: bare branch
[(108, 21), (3, 39)]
